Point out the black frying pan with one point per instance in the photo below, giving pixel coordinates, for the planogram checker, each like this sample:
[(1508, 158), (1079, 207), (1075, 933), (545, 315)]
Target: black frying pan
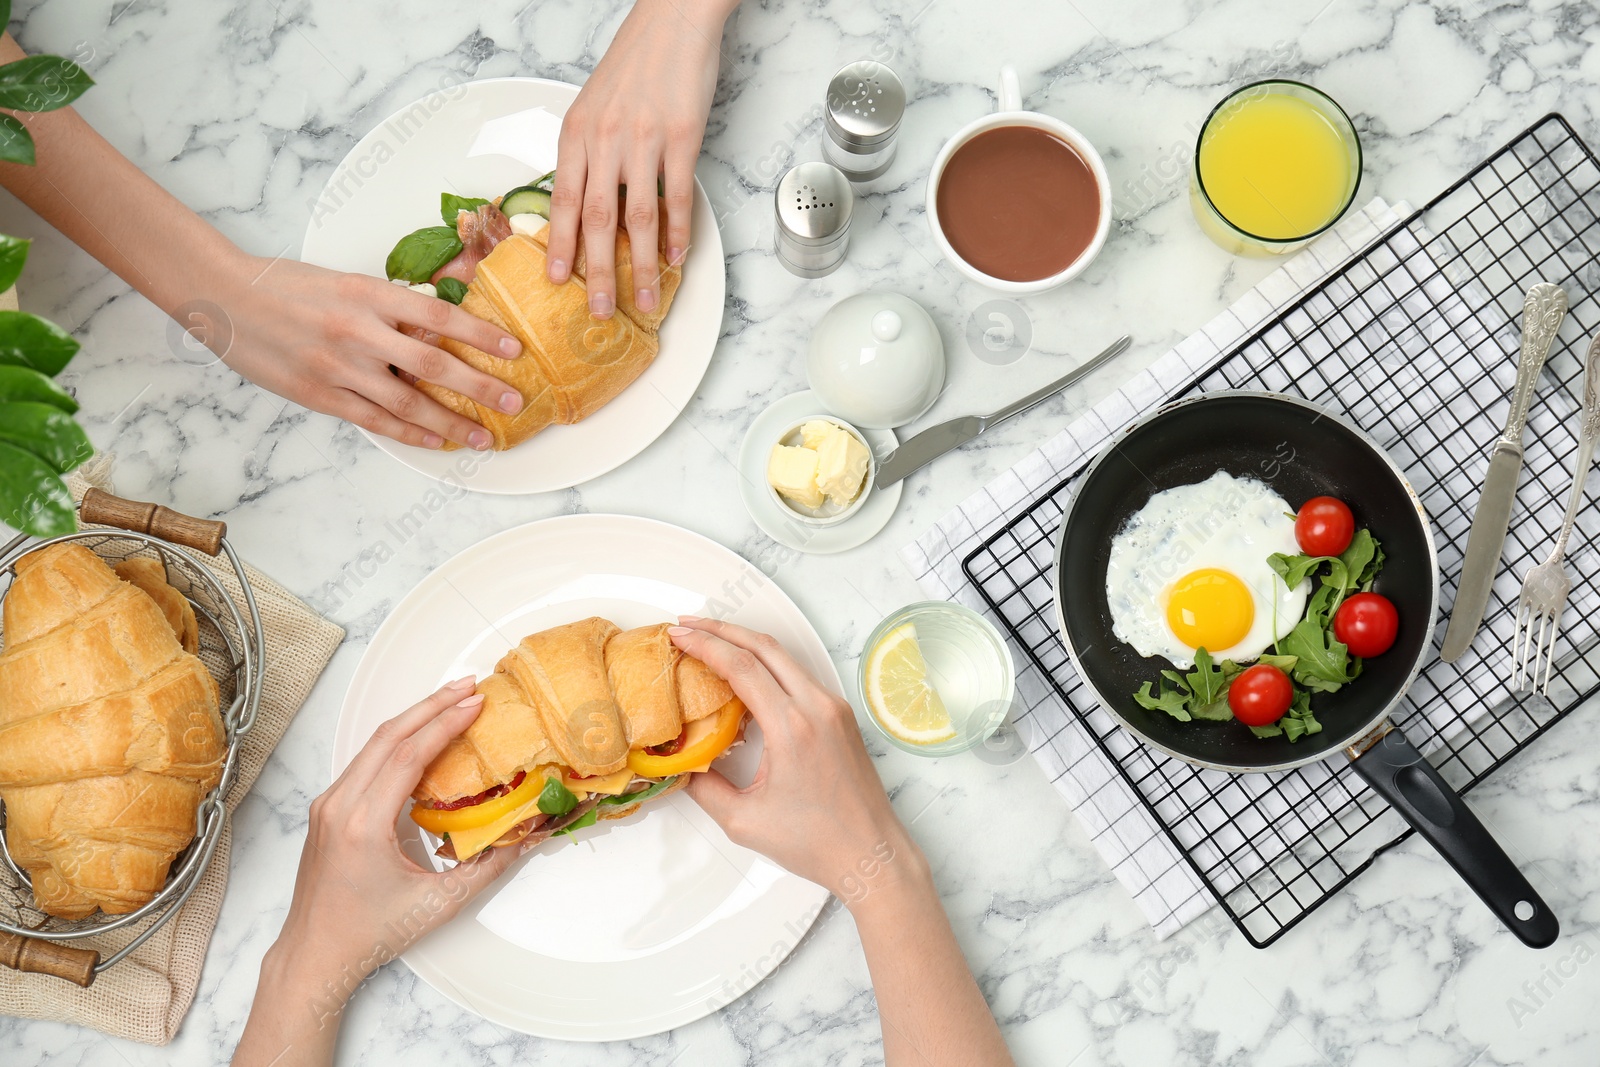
[(1301, 451)]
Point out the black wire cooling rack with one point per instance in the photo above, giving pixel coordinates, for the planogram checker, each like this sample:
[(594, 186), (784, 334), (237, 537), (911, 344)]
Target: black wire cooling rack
[(1415, 339)]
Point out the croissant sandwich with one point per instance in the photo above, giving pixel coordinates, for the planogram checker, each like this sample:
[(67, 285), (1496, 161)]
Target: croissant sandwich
[(110, 734), (581, 722), (571, 365)]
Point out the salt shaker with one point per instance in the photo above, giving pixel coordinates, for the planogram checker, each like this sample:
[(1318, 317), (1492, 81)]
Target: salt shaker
[(865, 104), (813, 203)]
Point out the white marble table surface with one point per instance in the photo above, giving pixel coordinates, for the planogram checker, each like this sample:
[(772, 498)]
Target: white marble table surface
[(242, 109)]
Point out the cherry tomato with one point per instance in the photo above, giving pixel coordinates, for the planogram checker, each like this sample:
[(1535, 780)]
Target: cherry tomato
[(1261, 695), (1367, 623), (1324, 526)]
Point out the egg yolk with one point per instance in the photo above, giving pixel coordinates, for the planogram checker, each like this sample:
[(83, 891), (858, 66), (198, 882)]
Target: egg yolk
[(1210, 609)]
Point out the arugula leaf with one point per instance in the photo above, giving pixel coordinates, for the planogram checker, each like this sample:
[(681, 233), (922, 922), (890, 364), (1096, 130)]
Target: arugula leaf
[(1294, 569), (1174, 702), (1270, 730), (555, 798), (451, 289), (451, 205), (1285, 664), (421, 252), (588, 818), (641, 795), (1206, 681)]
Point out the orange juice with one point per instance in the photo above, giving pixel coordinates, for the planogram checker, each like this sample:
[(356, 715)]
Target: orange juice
[(1277, 166)]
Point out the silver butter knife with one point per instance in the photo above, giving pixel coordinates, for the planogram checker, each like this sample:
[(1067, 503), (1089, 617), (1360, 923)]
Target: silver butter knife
[(1542, 313), (927, 446)]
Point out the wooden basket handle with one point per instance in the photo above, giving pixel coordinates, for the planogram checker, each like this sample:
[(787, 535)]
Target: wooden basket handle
[(46, 957), (203, 534)]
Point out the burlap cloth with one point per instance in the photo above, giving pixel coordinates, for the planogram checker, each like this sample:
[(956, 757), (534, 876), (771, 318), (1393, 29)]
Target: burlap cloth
[(146, 996)]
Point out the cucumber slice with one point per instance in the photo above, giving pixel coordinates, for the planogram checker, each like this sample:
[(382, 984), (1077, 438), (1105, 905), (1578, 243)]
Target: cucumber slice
[(526, 200)]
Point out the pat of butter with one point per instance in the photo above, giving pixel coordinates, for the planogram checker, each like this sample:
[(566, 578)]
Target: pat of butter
[(527, 224), (793, 473), (841, 466), (813, 433)]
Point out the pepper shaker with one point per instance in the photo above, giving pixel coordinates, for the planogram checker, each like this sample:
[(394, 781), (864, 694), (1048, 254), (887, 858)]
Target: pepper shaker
[(813, 203), (865, 104)]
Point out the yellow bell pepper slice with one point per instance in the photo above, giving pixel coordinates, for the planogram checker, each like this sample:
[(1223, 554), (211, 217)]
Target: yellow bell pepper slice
[(443, 822), (708, 748)]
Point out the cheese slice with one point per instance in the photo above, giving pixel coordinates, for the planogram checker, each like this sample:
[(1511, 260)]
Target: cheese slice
[(696, 732), (469, 843), (606, 784)]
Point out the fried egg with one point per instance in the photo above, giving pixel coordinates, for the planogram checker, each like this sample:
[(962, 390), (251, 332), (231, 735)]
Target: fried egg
[(1189, 570)]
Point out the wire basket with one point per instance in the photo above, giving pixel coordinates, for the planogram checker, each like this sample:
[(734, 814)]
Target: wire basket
[(231, 647), (1444, 284)]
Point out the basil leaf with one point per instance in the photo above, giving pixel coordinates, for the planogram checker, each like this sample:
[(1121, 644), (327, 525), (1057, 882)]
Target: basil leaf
[(451, 289), (29, 341), (555, 798), (588, 818), (1174, 702), (32, 497), (641, 795), (421, 252), (13, 254), (451, 205), (42, 83), (27, 384), (16, 144), (47, 432)]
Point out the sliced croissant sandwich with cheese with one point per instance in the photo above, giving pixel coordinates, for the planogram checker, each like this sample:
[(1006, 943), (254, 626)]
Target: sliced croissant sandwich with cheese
[(581, 722), (571, 365), (110, 733)]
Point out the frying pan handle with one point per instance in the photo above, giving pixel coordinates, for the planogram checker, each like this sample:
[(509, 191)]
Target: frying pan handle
[(1399, 774)]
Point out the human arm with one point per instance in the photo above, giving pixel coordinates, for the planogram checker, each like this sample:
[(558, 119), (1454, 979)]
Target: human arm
[(817, 807), (321, 338), (641, 115), (358, 900)]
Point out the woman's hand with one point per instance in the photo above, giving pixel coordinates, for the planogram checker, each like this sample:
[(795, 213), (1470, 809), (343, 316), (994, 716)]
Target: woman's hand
[(642, 114), (326, 340), (358, 900), (816, 805)]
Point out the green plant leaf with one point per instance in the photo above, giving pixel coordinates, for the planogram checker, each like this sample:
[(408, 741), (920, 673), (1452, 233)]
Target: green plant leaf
[(451, 289), (1207, 681), (16, 143), (1174, 702), (421, 252), (642, 795), (27, 384), (29, 341), (555, 798), (32, 496), (42, 83), (588, 818), (13, 254), (451, 205), (47, 432), (5, 13)]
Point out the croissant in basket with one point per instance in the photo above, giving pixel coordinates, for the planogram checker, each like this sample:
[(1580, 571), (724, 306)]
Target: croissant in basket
[(110, 733), (571, 365), (579, 723)]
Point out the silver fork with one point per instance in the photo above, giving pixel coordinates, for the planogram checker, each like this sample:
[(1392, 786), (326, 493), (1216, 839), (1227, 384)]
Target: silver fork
[(1545, 589)]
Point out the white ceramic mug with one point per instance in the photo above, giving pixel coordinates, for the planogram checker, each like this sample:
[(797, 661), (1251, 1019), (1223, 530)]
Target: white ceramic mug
[(1012, 114)]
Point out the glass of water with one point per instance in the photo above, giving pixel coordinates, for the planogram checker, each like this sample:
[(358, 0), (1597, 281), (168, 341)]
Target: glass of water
[(966, 663)]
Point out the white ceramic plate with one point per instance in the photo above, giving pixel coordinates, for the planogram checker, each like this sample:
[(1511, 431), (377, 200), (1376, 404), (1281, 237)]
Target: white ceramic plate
[(779, 523), (642, 924), (482, 139)]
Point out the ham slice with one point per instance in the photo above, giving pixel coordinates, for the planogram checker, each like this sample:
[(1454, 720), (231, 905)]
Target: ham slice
[(479, 231)]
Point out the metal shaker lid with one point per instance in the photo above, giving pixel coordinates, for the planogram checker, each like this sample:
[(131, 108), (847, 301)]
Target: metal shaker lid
[(813, 202), (865, 104)]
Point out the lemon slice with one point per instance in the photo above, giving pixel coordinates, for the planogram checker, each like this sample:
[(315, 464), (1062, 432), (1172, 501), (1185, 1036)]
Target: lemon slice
[(898, 691)]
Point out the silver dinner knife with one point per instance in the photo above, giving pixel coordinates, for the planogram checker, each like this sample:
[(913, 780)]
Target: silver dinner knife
[(1542, 313), (935, 441)]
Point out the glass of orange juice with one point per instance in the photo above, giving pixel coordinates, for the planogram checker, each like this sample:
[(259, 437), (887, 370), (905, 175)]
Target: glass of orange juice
[(1276, 164)]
